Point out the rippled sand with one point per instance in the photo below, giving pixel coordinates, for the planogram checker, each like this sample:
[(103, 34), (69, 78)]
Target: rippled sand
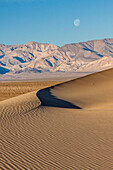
[(54, 136)]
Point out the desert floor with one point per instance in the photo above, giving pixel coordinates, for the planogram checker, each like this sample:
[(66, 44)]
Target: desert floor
[(67, 126)]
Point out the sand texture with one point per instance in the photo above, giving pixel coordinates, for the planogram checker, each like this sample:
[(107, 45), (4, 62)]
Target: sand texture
[(12, 89), (67, 126)]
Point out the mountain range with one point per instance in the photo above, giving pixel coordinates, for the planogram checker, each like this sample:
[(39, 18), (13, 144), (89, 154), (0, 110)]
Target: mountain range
[(34, 57)]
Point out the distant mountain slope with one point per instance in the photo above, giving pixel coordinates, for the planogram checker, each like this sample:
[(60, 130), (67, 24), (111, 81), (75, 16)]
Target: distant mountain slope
[(36, 57)]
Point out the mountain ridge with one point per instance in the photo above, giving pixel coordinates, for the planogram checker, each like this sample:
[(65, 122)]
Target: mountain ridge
[(43, 57)]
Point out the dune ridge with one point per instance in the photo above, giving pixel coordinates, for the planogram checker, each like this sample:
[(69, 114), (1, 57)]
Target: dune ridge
[(91, 91), (20, 104), (38, 136)]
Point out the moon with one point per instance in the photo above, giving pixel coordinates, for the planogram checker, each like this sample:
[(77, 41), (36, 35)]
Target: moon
[(77, 22)]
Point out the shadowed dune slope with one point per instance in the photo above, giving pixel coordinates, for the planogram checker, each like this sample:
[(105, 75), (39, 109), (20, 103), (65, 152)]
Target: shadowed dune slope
[(91, 91), (47, 99)]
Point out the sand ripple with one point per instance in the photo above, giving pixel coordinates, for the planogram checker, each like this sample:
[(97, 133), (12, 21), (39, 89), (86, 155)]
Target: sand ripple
[(41, 137)]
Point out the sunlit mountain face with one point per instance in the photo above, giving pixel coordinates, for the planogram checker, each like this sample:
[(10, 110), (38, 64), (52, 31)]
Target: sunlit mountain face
[(36, 57)]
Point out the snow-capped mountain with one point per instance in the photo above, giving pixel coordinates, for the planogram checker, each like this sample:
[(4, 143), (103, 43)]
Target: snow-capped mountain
[(36, 57)]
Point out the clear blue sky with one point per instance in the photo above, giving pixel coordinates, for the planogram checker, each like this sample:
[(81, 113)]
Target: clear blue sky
[(52, 21)]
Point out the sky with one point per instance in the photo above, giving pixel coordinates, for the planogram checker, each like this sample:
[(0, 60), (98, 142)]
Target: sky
[(56, 22)]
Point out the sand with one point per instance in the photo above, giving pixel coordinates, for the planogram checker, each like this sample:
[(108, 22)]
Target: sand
[(12, 89), (57, 134)]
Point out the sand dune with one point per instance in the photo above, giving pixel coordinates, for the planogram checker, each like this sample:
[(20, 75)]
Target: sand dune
[(91, 91), (57, 134)]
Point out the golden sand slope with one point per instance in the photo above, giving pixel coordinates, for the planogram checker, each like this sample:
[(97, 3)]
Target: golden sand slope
[(92, 91), (42, 137)]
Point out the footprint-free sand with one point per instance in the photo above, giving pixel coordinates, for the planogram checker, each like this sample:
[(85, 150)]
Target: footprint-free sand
[(67, 126)]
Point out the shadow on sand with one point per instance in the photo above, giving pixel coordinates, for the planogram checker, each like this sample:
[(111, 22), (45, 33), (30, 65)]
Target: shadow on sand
[(47, 99)]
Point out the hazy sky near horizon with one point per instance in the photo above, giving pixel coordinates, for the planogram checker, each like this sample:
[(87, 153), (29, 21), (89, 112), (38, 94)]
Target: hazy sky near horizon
[(52, 21)]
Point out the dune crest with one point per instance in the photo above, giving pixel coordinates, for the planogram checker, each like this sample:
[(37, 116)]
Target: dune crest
[(91, 91), (19, 105)]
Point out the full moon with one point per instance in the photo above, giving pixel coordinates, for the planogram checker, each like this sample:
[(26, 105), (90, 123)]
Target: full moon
[(77, 22)]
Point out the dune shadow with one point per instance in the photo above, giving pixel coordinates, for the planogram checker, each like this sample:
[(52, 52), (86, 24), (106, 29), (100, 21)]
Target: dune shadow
[(47, 99)]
